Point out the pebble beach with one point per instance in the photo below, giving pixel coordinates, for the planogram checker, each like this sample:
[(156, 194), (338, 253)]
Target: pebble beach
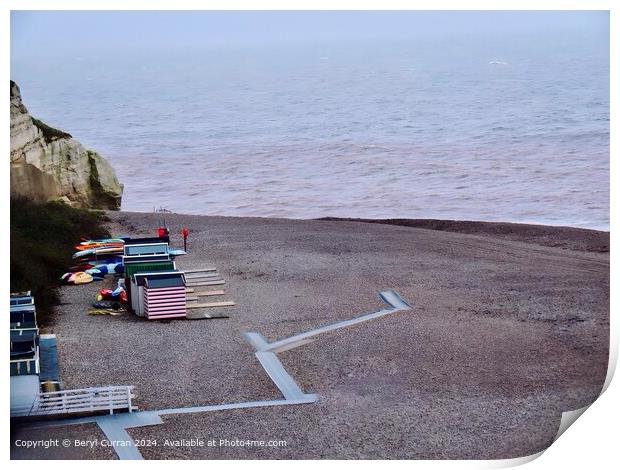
[(509, 327)]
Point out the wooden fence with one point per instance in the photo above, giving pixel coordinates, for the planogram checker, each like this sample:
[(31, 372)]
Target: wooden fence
[(85, 401)]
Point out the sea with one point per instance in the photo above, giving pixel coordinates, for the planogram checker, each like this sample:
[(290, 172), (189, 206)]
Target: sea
[(505, 128)]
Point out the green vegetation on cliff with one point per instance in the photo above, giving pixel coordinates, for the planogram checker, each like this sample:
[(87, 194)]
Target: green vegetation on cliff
[(50, 134), (42, 239)]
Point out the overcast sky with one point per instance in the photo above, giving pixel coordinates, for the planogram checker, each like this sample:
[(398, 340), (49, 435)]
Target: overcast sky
[(35, 33)]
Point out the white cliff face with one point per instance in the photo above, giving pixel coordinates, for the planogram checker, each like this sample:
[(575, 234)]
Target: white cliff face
[(49, 164)]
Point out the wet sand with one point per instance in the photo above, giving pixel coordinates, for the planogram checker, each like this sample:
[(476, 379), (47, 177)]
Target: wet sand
[(509, 327)]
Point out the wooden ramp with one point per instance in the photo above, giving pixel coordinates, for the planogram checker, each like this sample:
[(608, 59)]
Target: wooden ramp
[(197, 306)]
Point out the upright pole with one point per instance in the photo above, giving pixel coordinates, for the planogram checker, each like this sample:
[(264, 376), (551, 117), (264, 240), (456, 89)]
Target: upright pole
[(184, 232)]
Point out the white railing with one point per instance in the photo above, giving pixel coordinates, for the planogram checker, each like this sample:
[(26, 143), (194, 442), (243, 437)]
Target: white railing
[(86, 400)]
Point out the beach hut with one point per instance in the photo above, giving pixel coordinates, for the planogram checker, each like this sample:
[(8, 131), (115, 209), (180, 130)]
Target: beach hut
[(159, 295), (143, 264), (23, 317), (23, 311), (146, 249), (22, 300), (24, 335), (24, 352), (164, 296), (173, 252)]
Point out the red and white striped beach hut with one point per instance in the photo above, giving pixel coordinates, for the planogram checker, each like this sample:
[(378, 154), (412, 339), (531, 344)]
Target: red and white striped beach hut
[(163, 295)]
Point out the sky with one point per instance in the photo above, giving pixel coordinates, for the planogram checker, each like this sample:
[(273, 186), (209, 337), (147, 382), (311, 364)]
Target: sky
[(54, 33)]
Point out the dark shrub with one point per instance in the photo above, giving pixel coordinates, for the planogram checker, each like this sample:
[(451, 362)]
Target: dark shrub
[(42, 239)]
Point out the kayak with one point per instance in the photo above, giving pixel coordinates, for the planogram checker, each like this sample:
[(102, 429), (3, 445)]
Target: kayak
[(91, 263), (103, 269), (82, 278), (77, 278), (81, 267), (86, 246), (101, 240), (98, 251)]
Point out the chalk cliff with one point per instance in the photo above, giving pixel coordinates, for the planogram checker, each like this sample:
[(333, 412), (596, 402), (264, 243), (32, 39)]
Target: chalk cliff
[(48, 164)]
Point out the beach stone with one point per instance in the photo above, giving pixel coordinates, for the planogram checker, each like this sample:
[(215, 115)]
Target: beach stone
[(48, 164)]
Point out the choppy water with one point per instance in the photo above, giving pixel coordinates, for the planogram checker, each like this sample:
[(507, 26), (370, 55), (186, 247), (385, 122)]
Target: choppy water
[(511, 130)]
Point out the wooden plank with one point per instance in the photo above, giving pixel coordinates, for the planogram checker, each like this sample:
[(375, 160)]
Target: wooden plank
[(205, 282), (202, 315), (227, 303), (202, 276), (191, 298), (189, 290), (206, 293), (210, 283), (203, 270)]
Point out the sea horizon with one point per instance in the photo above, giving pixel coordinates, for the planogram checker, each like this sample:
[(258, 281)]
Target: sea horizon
[(497, 126)]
